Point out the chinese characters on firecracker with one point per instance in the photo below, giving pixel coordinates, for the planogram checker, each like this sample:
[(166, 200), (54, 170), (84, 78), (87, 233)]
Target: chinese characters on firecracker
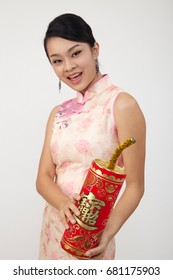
[(89, 208)]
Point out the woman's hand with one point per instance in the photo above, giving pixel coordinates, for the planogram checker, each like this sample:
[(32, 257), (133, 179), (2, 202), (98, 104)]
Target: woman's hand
[(98, 252), (68, 209)]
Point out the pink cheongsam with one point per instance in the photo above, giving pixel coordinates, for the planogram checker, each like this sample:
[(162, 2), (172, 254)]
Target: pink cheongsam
[(84, 129)]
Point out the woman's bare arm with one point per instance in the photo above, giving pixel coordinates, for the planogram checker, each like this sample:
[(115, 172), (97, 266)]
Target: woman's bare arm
[(130, 122)]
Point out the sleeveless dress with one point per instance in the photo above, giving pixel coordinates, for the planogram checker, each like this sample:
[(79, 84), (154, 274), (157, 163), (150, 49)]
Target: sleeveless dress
[(83, 130)]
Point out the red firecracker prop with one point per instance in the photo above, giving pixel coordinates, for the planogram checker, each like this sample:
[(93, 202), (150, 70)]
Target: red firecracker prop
[(98, 195)]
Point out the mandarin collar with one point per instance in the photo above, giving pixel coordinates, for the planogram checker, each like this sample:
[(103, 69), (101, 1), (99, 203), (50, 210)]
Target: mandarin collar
[(95, 89)]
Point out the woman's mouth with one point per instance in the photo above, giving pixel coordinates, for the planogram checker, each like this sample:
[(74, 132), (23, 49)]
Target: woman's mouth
[(75, 77)]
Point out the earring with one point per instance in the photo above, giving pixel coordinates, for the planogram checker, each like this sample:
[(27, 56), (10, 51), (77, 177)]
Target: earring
[(59, 85), (97, 66)]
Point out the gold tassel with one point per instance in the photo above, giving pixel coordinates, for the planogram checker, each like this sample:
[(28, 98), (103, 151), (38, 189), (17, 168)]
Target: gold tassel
[(117, 152)]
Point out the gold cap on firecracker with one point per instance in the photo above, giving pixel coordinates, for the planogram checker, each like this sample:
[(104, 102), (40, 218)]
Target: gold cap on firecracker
[(111, 164), (104, 165)]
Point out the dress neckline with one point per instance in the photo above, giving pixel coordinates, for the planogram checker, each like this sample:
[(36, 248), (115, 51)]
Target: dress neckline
[(95, 89)]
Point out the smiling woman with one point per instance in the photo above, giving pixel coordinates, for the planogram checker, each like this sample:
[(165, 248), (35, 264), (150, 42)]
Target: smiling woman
[(74, 64), (84, 128)]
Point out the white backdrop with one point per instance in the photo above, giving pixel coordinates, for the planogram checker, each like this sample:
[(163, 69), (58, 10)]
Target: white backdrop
[(136, 40)]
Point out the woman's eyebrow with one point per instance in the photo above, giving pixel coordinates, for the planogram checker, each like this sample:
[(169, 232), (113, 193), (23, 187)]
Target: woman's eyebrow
[(69, 50)]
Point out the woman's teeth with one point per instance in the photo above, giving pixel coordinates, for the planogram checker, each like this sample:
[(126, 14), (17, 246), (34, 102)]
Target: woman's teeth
[(75, 76)]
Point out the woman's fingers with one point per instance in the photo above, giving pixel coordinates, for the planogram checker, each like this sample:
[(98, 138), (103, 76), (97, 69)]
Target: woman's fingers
[(76, 196), (68, 212), (74, 209), (96, 253), (70, 217)]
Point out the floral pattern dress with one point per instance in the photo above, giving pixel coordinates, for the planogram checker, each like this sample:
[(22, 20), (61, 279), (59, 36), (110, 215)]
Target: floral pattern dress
[(84, 129)]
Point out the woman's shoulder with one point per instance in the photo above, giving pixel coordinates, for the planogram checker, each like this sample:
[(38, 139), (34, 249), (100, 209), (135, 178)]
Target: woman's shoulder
[(125, 100), (126, 107), (54, 111), (58, 109)]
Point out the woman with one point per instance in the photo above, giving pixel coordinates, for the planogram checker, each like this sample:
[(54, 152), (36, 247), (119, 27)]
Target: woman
[(81, 129)]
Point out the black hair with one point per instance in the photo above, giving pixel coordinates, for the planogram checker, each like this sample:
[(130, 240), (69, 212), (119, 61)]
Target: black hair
[(69, 27)]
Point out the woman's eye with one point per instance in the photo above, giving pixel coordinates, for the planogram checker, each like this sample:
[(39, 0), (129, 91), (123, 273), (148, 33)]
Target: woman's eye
[(76, 53), (57, 61)]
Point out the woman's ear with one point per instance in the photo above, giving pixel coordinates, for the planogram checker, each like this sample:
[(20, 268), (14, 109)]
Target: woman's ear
[(96, 50)]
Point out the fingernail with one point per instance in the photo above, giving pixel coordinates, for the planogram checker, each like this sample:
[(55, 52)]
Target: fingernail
[(88, 254)]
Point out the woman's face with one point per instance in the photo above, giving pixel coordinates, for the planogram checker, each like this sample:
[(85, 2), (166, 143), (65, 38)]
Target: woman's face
[(74, 62)]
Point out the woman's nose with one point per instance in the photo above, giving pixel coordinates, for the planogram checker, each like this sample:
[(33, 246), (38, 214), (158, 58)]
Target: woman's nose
[(68, 66)]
